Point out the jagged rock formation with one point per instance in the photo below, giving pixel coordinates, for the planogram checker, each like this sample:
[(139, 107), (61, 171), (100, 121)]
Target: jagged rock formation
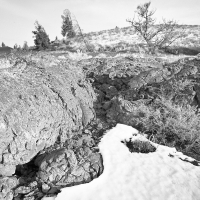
[(41, 105), (61, 168), (38, 105), (123, 85), (135, 78), (46, 102)]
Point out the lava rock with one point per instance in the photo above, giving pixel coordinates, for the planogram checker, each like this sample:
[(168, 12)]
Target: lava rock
[(38, 104), (6, 186), (62, 168)]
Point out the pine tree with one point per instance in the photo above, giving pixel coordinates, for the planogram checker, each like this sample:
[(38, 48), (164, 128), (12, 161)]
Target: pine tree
[(67, 25), (3, 45), (41, 40), (15, 46)]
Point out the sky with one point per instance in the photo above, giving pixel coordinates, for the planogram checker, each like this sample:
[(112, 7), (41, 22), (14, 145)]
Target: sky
[(17, 17)]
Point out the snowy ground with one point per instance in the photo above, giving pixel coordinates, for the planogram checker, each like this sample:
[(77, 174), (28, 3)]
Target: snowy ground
[(160, 175)]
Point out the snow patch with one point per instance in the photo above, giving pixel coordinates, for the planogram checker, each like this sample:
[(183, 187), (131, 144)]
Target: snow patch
[(160, 175)]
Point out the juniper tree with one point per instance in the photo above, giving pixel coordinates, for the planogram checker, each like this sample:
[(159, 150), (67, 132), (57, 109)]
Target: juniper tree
[(156, 36), (41, 40)]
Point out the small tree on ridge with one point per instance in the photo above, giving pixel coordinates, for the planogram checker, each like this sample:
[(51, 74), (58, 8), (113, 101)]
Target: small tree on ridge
[(3, 45), (155, 35), (67, 25), (25, 46), (41, 40)]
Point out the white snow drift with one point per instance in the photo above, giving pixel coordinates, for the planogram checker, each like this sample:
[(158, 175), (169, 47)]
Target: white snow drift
[(160, 175)]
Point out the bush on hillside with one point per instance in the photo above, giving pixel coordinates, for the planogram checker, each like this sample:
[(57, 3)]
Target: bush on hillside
[(169, 124)]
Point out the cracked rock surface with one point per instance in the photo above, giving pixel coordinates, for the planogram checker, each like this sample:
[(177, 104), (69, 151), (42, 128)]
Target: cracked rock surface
[(61, 168), (38, 105), (6, 186)]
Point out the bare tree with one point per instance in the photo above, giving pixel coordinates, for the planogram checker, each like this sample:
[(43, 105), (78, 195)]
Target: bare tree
[(156, 36)]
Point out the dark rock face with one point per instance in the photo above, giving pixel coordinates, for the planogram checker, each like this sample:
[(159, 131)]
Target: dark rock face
[(39, 105), (61, 168)]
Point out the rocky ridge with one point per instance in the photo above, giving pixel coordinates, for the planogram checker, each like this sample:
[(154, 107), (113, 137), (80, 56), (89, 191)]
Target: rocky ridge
[(76, 102), (128, 85)]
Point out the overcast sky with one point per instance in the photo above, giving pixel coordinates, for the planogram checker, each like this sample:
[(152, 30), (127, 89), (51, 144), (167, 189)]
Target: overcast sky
[(17, 17)]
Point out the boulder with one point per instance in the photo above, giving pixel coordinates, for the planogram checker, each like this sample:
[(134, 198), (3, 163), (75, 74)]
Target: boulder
[(40, 104), (63, 167)]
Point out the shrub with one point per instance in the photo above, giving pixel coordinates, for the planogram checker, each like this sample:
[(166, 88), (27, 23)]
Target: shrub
[(169, 124)]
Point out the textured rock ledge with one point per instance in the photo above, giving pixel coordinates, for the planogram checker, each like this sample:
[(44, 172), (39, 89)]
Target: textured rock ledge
[(40, 104)]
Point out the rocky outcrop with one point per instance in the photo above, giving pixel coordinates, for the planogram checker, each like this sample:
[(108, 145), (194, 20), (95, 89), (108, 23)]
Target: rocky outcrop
[(41, 104), (45, 105), (135, 78), (126, 87), (62, 168)]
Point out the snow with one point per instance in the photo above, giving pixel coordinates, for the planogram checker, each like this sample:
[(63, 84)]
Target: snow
[(160, 175)]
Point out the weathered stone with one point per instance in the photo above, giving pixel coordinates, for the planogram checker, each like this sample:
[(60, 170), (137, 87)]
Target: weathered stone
[(6, 186), (124, 111), (38, 104), (26, 189), (61, 168)]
